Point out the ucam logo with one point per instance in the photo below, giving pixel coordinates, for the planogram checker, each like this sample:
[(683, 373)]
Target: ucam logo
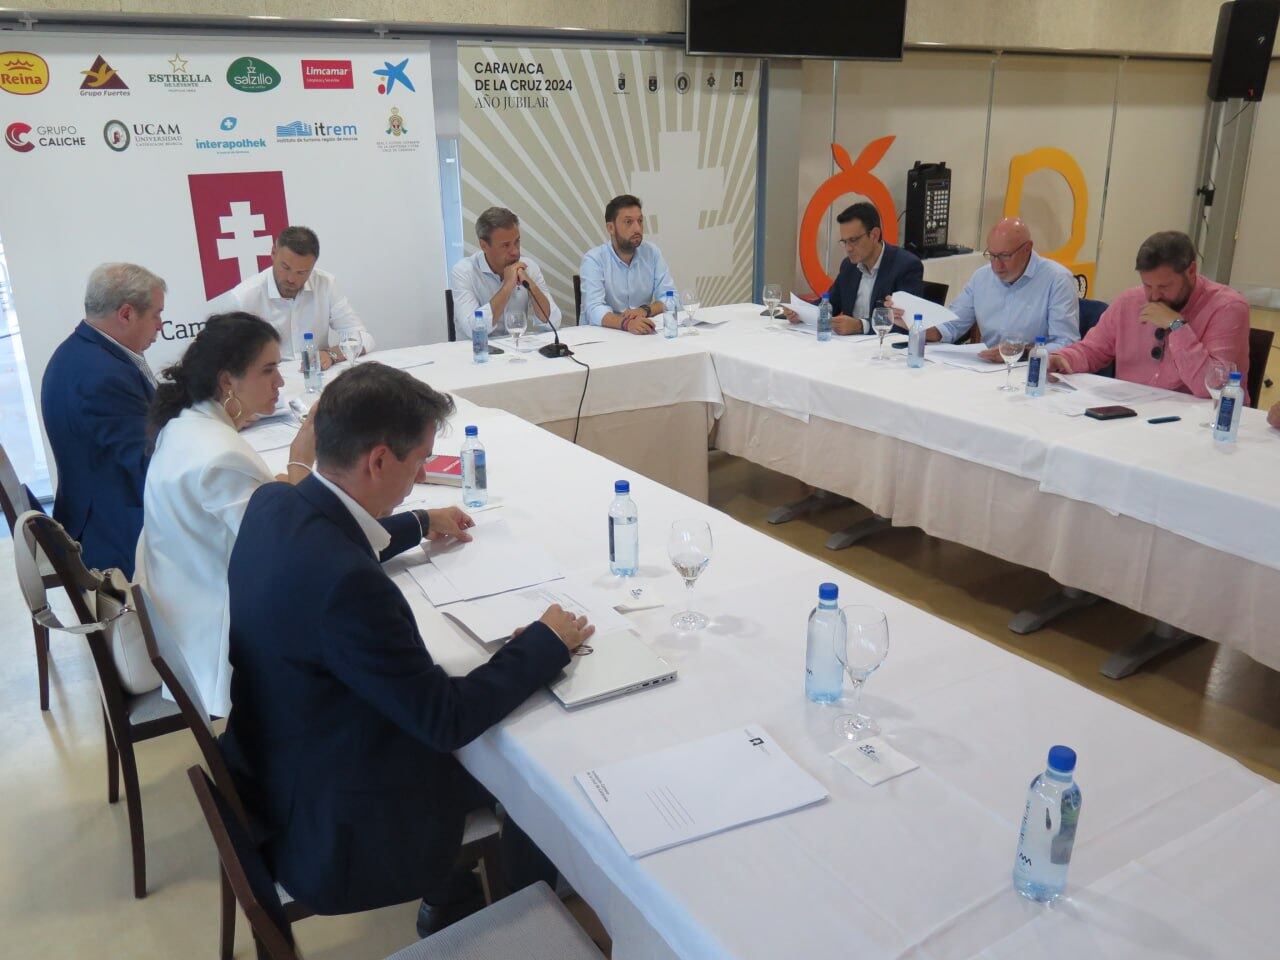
[(251, 75), (157, 135), (236, 215), (116, 135), (23, 73), (327, 75)]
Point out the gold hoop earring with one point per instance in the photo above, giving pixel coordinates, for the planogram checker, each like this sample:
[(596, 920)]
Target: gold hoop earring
[(239, 407)]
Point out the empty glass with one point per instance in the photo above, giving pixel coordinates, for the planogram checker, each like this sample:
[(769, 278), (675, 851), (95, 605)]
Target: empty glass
[(881, 323), (866, 644), (772, 297), (517, 323), (351, 344), (689, 547), (1011, 351), (690, 305), (1216, 374)]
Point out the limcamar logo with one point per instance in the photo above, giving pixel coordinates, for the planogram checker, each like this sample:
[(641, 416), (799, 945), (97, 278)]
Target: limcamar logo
[(327, 75)]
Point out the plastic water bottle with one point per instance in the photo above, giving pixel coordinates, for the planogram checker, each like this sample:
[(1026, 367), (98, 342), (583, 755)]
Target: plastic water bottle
[(1048, 829), (670, 316), (1038, 368), (824, 319), (1229, 408), (475, 474), (823, 673), (479, 338), (624, 532), (915, 343), (311, 372)]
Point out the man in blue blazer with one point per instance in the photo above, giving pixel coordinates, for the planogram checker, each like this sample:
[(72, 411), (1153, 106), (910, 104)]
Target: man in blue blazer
[(342, 726), (94, 398), (871, 271)]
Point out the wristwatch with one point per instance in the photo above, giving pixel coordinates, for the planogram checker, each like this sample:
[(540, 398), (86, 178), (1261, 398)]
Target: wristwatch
[(1178, 322), (332, 356), (424, 522), (648, 310)]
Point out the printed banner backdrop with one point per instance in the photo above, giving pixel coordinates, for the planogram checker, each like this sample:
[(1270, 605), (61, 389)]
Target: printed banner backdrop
[(553, 134), (187, 154)]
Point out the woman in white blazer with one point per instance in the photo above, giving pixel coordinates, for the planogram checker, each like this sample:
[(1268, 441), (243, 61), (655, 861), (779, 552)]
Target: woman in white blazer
[(201, 476)]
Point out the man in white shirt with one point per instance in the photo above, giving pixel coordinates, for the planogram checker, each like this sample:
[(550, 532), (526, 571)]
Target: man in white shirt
[(296, 298), (497, 281)]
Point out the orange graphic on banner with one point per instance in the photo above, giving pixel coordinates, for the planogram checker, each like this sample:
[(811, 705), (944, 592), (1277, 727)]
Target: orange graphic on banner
[(1063, 164), (851, 177)]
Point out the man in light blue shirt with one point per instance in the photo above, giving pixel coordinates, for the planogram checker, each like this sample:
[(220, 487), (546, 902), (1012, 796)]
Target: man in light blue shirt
[(624, 280), (1018, 295), (497, 281)]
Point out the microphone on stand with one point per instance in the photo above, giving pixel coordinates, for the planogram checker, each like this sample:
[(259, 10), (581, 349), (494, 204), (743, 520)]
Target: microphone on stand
[(552, 350)]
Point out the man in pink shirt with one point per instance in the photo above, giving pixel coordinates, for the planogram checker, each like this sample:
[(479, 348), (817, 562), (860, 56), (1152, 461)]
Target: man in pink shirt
[(1165, 332)]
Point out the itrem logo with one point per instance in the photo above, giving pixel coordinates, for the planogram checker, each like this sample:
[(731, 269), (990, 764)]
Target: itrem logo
[(23, 73), (327, 75), (251, 75), (15, 137)]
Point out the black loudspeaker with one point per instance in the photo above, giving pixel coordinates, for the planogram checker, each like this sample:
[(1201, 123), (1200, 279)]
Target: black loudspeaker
[(1242, 49)]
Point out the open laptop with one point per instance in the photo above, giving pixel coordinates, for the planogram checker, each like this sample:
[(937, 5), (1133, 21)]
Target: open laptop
[(619, 663)]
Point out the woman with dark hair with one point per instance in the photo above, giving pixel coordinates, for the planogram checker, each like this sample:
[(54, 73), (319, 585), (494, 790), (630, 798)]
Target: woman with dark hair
[(201, 476)]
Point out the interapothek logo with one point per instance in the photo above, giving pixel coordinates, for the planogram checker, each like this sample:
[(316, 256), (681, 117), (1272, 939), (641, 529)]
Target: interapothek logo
[(23, 73)]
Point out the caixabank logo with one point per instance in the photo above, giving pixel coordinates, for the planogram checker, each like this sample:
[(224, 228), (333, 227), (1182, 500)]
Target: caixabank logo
[(23, 73), (251, 75)]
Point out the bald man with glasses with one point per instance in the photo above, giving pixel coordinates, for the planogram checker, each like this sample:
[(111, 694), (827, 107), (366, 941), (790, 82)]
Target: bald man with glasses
[(1018, 295)]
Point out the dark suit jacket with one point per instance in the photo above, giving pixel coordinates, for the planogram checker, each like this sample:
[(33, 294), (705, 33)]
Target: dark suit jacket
[(342, 727), (899, 270), (94, 402)]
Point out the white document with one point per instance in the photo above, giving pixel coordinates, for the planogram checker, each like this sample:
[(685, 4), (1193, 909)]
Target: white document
[(697, 789), (931, 313), (491, 619), (580, 336), (494, 562), (435, 586), (270, 434), (808, 314), (404, 359), (964, 356), (714, 320)]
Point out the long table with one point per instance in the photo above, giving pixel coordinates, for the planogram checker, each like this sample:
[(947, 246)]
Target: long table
[(1176, 843)]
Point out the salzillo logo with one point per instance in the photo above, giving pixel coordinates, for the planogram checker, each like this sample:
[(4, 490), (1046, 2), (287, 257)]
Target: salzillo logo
[(251, 75), (23, 73), (116, 135), (236, 215), (327, 75), (14, 137)]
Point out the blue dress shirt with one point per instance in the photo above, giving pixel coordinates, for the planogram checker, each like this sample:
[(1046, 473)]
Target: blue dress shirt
[(1043, 302), (611, 286)]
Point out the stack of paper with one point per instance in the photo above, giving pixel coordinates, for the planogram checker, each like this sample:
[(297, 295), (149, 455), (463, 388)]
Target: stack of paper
[(405, 358), (696, 789), (494, 562), (275, 430), (964, 356), (491, 619), (931, 314)]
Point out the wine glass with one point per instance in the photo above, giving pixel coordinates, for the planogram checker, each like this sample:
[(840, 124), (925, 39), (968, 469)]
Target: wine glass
[(1216, 374), (1011, 351), (866, 644), (517, 323), (351, 344), (689, 301), (689, 547), (881, 323), (772, 297)]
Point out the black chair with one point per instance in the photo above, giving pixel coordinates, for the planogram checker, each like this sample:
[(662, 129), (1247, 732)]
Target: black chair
[(448, 316), (936, 292), (1259, 351), (1091, 312), (577, 298)]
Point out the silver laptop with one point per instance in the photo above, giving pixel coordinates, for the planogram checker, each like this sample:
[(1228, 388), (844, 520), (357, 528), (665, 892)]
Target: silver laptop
[(619, 663)]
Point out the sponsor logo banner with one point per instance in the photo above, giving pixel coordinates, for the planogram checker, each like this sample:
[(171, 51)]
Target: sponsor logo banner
[(101, 80), (235, 215), (47, 135), (179, 78), (315, 131), (251, 75), (23, 73), (327, 75), (396, 137)]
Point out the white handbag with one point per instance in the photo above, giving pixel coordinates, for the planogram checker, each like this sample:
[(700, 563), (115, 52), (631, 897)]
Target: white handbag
[(116, 619)]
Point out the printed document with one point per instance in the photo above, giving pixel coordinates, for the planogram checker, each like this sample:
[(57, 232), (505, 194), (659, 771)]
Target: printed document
[(494, 562), (931, 313)]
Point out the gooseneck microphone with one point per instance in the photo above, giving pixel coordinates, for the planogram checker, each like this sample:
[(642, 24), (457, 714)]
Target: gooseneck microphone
[(552, 350)]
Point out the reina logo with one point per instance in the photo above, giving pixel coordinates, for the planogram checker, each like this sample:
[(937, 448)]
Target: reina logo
[(101, 80), (23, 73), (327, 75), (251, 75)]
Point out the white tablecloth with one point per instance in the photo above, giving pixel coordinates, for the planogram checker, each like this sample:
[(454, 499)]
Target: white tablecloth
[(917, 867)]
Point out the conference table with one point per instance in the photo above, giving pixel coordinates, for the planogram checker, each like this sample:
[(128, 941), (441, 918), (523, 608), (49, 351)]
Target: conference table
[(1158, 518), (1176, 844)]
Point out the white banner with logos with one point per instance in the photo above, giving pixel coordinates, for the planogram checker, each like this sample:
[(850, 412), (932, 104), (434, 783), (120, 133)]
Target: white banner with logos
[(187, 154)]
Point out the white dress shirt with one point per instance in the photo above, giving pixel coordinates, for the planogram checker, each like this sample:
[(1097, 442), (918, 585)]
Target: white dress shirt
[(474, 284), (374, 532), (319, 309), (198, 485), (138, 359), (862, 302)]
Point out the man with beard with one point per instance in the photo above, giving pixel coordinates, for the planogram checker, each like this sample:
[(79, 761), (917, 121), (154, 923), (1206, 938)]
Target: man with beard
[(624, 280), (497, 281), (1165, 332)]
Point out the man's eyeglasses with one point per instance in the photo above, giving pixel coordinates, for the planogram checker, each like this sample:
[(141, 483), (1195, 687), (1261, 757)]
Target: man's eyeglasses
[(853, 241), (1005, 257), (1157, 352)]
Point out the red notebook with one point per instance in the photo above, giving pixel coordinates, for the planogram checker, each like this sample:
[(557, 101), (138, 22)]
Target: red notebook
[(445, 470)]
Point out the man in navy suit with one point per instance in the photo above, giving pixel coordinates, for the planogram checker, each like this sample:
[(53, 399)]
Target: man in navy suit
[(871, 271), (94, 398), (342, 727)]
